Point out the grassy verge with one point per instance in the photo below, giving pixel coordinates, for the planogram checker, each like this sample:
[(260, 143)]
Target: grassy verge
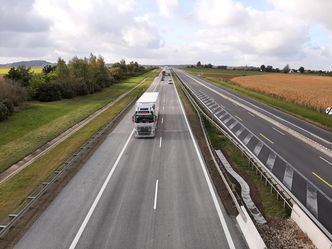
[(295, 109), (264, 199), (29, 129), (14, 191)]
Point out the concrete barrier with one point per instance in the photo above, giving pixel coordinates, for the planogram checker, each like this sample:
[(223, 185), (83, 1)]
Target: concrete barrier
[(318, 238), (252, 236)]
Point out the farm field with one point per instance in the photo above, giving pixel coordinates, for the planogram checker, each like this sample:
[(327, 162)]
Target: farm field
[(227, 78), (28, 129), (4, 70), (310, 91)]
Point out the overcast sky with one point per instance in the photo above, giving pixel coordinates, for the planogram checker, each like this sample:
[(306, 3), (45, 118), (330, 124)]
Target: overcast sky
[(221, 32)]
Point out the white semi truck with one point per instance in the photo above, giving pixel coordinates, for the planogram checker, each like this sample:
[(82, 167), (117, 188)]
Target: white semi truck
[(146, 115)]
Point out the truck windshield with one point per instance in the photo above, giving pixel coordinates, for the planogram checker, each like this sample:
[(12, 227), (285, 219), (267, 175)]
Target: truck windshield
[(144, 119)]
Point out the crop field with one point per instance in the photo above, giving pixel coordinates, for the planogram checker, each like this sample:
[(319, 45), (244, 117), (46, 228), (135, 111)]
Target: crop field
[(314, 92), (4, 70)]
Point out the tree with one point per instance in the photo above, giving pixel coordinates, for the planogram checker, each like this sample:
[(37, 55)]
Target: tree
[(286, 69), (199, 64), (263, 68), (48, 68), (301, 69), (21, 74)]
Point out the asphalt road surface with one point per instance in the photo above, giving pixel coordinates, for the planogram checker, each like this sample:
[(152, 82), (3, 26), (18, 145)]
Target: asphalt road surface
[(139, 193), (303, 165)]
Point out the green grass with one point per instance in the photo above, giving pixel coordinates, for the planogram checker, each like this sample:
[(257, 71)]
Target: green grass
[(29, 129), (222, 73), (15, 190), (300, 111), (272, 208), (37, 70)]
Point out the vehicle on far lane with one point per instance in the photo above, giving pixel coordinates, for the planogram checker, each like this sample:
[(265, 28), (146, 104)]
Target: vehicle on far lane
[(170, 81), (146, 115)]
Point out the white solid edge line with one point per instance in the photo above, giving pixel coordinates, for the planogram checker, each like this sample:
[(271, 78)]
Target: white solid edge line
[(155, 195), (325, 160), (162, 120), (278, 131), (92, 208), (160, 139), (213, 194)]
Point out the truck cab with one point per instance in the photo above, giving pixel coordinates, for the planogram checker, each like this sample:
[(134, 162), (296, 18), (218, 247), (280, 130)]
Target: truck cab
[(145, 117)]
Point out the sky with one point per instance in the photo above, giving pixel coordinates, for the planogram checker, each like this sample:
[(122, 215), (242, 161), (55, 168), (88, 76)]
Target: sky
[(220, 32)]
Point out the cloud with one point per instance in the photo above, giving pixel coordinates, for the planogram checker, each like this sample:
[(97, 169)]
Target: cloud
[(311, 10), (23, 31), (103, 27), (20, 16), (230, 26), (166, 7)]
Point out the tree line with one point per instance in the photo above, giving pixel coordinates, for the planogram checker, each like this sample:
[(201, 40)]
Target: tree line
[(263, 68), (78, 77)]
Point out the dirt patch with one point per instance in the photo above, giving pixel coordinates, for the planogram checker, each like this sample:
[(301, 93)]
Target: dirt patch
[(281, 234)]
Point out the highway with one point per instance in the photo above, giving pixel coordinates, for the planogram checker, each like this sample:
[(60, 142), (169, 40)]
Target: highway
[(139, 193), (296, 152)]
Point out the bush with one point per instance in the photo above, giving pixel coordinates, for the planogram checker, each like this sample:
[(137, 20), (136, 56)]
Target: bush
[(67, 92), (50, 92), (4, 113), (9, 105), (81, 89), (12, 91), (36, 82)]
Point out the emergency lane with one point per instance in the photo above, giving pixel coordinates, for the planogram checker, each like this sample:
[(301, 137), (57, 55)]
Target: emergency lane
[(138, 193)]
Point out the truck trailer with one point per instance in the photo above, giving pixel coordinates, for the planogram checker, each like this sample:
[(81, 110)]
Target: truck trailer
[(146, 115)]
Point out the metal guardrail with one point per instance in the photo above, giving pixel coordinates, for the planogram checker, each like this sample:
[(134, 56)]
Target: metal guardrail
[(44, 186), (212, 153), (275, 185), (253, 162)]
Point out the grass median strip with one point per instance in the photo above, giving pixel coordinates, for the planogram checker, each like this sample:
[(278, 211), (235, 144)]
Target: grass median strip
[(29, 129), (264, 199), (15, 190)]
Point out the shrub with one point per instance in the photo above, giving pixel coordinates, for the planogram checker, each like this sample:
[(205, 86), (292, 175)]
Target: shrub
[(50, 92), (36, 82), (97, 88), (67, 92), (9, 105), (81, 89), (3, 112), (12, 91)]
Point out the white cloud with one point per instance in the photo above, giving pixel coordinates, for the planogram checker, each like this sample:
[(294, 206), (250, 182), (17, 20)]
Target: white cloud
[(312, 10), (228, 26), (214, 31), (221, 12), (167, 7), (103, 26)]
